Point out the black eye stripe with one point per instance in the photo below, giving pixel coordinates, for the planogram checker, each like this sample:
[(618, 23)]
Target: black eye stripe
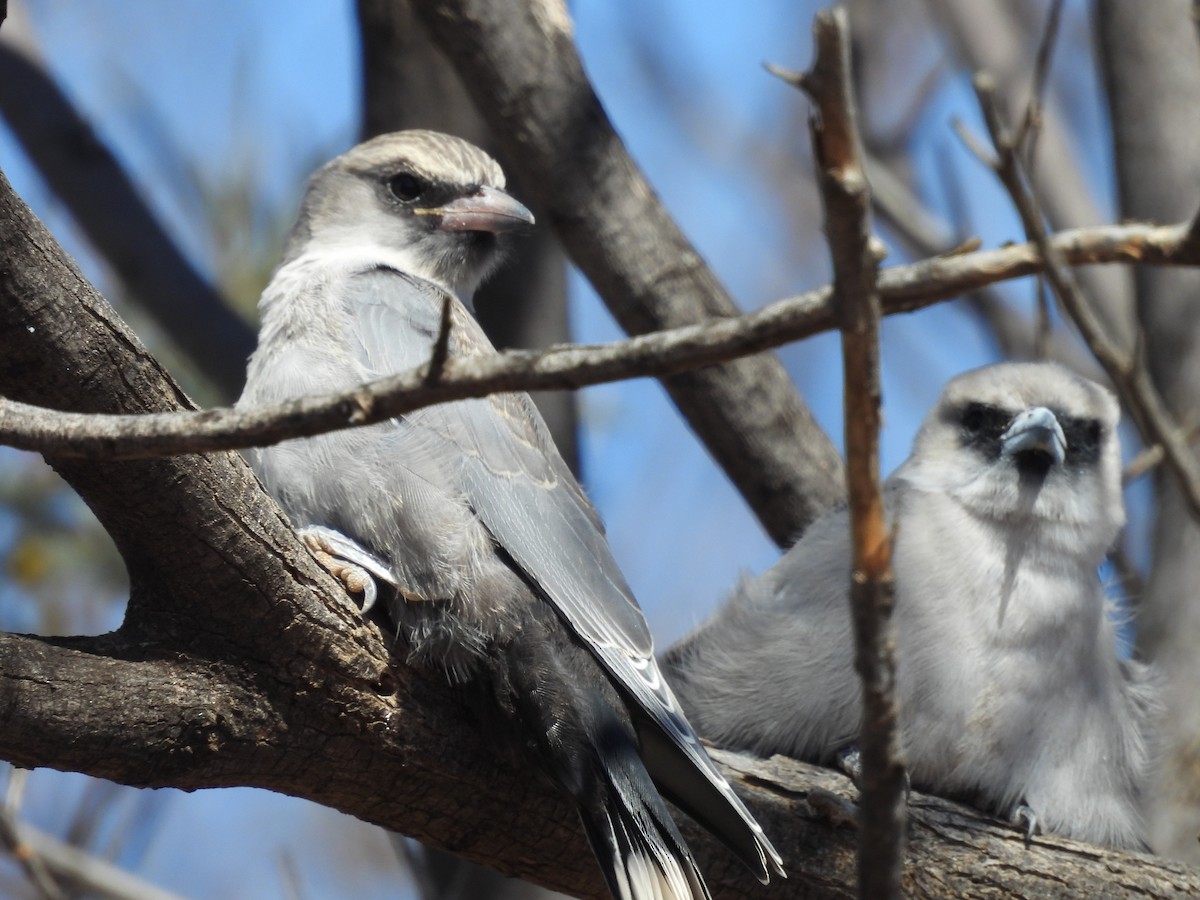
[(1084, 437), (981, 424), (984, 418), (415, 189)]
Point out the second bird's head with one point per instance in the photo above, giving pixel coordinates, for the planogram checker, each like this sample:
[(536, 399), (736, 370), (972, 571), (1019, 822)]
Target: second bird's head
[(435, 202), (1032, 446)]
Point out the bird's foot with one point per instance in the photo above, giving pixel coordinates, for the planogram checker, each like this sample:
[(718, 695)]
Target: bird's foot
[(849, 763), (348, 561), (1026, 819)]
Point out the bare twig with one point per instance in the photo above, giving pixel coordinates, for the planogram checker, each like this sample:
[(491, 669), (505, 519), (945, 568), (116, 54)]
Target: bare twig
[(973, 143), (1150, 458), (1142, 464), (856, 254), (902, 289), (40, 877), (994, 37), (1026, 141), (1128, 373), (97, 876), (35, 868), (52, 865), (925, 234), (1041, 72), (441, 346)]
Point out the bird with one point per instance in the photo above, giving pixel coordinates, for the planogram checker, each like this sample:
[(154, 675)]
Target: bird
[(492, 563), (1011, 692)]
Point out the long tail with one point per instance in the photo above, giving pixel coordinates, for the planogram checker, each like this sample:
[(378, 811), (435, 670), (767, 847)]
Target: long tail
[(632, 834), (563, 703)]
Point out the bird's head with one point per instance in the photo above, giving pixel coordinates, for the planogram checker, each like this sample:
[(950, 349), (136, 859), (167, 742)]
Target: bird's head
[(434, 202), (1028, 444)]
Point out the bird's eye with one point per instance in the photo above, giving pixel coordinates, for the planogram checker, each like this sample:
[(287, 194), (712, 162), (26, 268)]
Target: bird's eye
[(405, 186), (1084, 439), (980, 427), (975, 418)]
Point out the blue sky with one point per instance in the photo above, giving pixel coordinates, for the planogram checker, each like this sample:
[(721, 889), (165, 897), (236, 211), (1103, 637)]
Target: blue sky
[(212, 88)]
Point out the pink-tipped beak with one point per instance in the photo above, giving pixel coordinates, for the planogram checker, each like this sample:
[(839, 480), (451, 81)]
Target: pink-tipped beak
[(488, 209)]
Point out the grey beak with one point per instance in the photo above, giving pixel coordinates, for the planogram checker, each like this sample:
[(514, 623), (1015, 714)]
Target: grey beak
[(1035, 429), (488, 209)]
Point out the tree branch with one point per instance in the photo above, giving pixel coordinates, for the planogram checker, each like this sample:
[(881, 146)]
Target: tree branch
[(901, 289), (856, 253), (912, 222), (997, 38), (52, 865), (40, 878), (1128, 373), (86, 176)]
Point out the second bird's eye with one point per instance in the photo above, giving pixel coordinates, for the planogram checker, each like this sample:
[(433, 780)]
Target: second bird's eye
[(405, 186), (981, 420), (974, 417)]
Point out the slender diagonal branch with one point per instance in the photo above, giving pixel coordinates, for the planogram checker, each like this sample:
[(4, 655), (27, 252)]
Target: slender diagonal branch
[(1128, 372), (925, 235), (88, 177), (36, 870), (1041, 72)]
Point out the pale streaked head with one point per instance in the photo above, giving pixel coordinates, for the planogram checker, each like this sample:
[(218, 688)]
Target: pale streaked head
[(432, 201)]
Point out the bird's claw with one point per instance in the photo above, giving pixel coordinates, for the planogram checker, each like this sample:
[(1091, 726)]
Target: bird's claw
[(849, 763), (356, 579), (1027, 820), (347, 561)]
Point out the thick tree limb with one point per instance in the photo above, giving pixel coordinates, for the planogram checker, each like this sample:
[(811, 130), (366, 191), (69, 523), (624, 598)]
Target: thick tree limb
[(90, 181)]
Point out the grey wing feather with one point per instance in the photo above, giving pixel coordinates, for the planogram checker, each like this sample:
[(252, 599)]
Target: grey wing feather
[(510, 471), (527, 498), (697, 786)]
